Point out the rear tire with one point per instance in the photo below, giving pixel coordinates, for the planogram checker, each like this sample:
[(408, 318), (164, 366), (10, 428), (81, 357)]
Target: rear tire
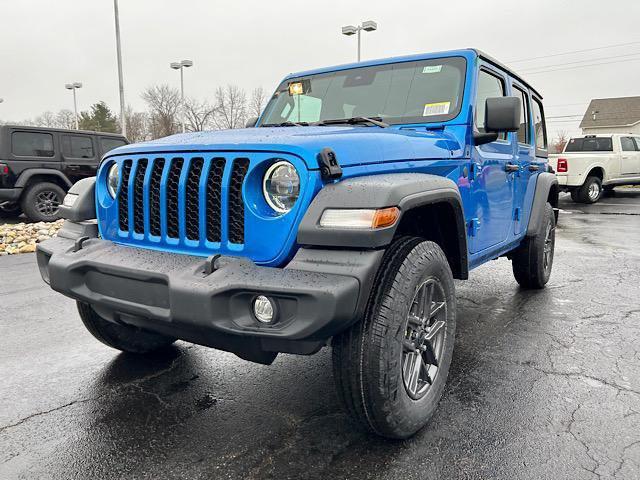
[(121, 337), (533, 260), (591, 191), (10, 210), (383, 365), (41, 202)]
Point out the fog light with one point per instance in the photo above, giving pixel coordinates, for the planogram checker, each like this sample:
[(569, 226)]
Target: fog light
[(263, 309)]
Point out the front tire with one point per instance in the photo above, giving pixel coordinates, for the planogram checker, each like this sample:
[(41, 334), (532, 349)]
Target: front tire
[(533, 260), (391, 368), (119, 336)]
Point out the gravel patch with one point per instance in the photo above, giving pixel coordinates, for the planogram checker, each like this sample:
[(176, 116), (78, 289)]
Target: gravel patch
[(23, 237)]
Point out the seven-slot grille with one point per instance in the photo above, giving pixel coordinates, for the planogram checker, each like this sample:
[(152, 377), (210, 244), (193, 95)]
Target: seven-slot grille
[(178, 196)]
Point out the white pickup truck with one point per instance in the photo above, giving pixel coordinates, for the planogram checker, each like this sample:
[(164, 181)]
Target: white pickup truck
[(591, 164)]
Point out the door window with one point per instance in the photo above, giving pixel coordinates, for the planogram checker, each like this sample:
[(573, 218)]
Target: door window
[(32, 144), (637, 140), (523, 131), (489, 86), (540, 127), (77, 146), (627, 144)]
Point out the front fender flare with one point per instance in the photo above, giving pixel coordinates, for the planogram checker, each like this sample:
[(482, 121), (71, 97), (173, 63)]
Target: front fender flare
[(404, 190)]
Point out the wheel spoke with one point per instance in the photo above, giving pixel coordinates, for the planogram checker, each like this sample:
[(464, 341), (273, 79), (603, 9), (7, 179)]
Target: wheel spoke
[(437, 306), (430, 353), (412, 366), (434, 330), (425, 369)]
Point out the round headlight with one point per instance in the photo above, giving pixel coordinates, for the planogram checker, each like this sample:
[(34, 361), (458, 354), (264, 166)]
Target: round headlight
[(113, 177), (281, 186)]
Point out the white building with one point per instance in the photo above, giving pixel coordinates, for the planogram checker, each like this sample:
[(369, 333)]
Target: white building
[(612, 115)]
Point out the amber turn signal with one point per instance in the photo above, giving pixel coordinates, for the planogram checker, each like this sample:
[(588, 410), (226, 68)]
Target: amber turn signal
[(385, 217)]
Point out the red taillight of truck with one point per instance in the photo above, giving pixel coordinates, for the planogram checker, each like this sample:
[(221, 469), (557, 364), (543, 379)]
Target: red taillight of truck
[(563, 165)]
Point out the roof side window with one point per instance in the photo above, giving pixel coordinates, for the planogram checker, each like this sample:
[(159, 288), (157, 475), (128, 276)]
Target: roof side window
[(32, 144), (627, 144), (523, 131), (540, 127), (110, 143), (489, 86)]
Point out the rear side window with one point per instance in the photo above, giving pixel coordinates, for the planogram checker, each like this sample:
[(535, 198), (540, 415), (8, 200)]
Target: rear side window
[(523, 131), (32, 144), (110, 143), (489, 86), (590, 144), (540, 128), (627, 144), (77, 146)]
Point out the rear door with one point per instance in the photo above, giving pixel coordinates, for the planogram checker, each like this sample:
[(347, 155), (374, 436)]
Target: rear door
[(524, 156), (632, 165), (79, 154)]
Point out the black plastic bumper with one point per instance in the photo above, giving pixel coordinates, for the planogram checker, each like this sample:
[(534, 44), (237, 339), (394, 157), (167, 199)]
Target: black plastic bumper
[(10, 194), (318, 294)]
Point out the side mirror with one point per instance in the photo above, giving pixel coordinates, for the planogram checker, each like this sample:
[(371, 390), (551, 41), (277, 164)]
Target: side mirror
[(251, 122), (501, 114)]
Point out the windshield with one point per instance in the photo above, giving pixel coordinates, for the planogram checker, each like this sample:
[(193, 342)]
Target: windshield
[(410, 92), (590, 144)]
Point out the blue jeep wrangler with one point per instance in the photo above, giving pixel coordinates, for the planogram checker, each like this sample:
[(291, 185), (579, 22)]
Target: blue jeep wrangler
[(342, 216)]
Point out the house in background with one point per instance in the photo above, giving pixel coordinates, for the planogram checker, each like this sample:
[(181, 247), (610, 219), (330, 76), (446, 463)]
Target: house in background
[(612, 115)]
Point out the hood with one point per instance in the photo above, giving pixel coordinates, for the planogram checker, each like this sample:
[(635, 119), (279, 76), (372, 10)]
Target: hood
[(354, 145)]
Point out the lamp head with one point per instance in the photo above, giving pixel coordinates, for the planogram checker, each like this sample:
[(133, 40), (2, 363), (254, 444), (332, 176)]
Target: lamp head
[(369, 26), (349, 30)]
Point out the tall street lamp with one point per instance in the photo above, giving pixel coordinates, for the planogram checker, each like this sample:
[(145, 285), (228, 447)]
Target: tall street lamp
[(74, 86), (368, 26), (181, 66), (123, 122)]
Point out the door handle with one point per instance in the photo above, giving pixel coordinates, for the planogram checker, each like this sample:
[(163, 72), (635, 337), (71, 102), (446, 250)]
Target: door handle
[(534, 168), (511, 167)]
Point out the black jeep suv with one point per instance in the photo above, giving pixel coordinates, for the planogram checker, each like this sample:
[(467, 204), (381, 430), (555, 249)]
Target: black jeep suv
[(38, 166)]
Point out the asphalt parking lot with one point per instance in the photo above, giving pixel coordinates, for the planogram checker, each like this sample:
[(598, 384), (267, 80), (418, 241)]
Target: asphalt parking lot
[(543, 384)]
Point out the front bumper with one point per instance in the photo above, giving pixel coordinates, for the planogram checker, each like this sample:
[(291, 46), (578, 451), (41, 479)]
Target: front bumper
[(318, 294)]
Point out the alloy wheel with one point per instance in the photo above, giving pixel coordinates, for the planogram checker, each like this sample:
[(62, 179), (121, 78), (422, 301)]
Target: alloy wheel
[(423, 344), (47, 203)]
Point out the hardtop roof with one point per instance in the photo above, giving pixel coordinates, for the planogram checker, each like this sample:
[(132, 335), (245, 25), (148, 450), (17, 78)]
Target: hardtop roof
[(61, 130), (466, 52)]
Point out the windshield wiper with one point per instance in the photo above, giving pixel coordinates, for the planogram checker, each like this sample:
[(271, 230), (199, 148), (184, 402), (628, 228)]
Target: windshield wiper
[(377, 121), (287, 124)]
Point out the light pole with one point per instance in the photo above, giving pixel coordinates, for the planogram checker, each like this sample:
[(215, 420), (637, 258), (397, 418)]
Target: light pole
[(74, 86), (181, 66), (123, 121), (368, 26)]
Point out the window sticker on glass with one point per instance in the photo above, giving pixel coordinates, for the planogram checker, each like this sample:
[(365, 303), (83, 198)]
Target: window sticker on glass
[(432, 69), (440, 108)]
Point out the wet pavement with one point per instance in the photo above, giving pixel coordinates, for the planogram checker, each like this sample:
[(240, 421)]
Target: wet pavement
[(544, 384)]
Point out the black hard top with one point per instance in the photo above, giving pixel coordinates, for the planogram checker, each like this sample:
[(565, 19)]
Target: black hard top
[(59, 130)]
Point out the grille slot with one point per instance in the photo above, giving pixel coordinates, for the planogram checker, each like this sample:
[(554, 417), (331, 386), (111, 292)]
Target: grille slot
[(154, 196), (173, 182), (236, 204), (123, 197), (192, 204), (214, 200), (138, 196)]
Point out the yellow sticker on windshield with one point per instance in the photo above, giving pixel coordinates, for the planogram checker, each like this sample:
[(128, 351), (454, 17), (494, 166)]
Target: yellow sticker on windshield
[(440, 108)]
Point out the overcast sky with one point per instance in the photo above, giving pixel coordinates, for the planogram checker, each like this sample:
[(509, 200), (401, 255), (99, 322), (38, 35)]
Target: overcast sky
[(45, 44)]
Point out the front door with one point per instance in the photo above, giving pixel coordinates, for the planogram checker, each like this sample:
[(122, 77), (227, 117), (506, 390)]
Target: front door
[(492, 186)]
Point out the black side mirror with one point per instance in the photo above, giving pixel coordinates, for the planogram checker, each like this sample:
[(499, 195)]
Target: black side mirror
[(251, 122), (501, 114)]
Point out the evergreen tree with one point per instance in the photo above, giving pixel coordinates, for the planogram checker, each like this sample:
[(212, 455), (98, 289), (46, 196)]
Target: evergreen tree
[(99, 119)]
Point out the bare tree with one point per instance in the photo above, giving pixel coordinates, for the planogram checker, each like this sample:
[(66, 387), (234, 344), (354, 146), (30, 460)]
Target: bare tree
[(231, 107), (47, 119), (198, 115), (65, 119), (257, 102), (164, 106), (560, 141), (137, 125)]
